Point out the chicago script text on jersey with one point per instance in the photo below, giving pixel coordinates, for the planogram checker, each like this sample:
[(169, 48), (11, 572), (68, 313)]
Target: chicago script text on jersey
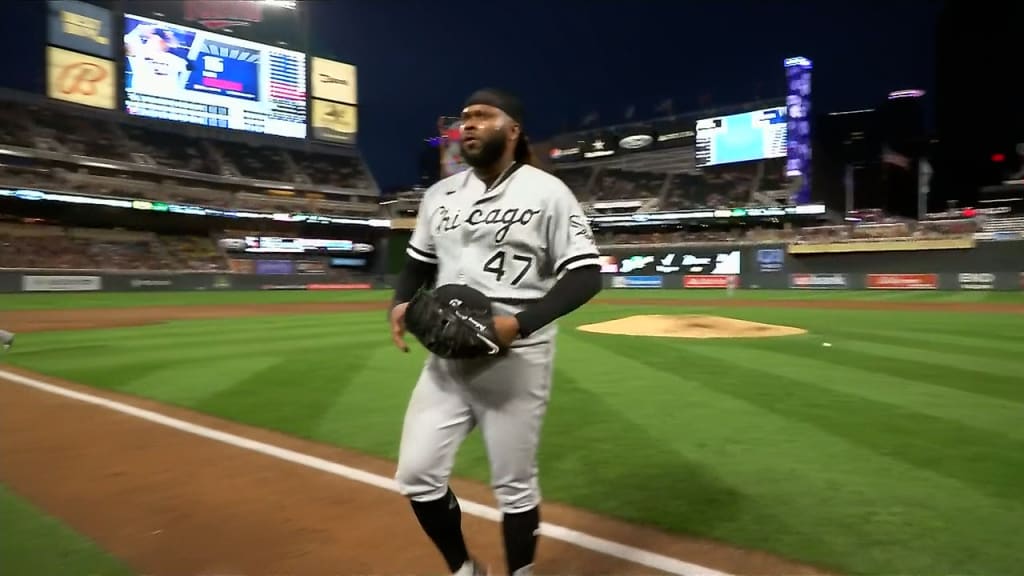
[(448, 220)]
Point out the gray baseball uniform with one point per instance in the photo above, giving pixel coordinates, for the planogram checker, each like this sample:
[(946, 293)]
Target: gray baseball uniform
[(512, 243)]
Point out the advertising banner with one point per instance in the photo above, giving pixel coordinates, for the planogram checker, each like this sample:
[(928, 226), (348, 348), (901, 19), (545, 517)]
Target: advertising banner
[(706, 281), (334, 81), (61, 283), (771, 259), (694, 261), (609, 265), (348, 262), (274, 267), (152, 283), (80, 79), (80, 26), (675, 132), (350, 286), (599, 146), (818, 281), (635, 138), (903, 281), (894, 245), (333, 122), (637, 282), (976, 281), (310, 267), (566, 153), (239, 266)]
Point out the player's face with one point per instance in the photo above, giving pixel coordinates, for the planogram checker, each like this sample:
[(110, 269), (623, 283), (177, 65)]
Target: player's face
[(486, 133)]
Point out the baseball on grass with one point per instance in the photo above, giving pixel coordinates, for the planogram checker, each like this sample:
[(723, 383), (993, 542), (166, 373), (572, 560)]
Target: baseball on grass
[(826, 344)]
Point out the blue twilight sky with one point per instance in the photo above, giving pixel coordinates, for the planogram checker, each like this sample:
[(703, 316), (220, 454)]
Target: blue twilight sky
[(419, 59)]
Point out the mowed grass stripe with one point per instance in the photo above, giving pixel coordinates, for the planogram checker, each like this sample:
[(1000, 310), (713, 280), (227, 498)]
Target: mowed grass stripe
[(185, 330), (981, 345), (111, 356), (367, 413), (962, 341), (989, 462), (734, 469), (852, 373), (982, 368), (294, 393), (191, 383), (227, 297)]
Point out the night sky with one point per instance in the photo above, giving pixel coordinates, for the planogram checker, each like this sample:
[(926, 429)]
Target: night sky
[(419, 59)]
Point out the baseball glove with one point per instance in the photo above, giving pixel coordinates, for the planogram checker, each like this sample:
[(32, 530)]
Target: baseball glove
[(453, 321)]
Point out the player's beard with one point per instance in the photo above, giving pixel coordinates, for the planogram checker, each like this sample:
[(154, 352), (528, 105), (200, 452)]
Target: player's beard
[(488, 154)]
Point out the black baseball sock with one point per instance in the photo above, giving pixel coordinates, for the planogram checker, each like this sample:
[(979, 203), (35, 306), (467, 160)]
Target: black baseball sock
[(441, 519), (520, 538)]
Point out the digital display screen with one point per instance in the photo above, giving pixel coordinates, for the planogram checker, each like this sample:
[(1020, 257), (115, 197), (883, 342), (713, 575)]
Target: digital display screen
[(177, 73), (741, 137), (274, 245), (348, 262)]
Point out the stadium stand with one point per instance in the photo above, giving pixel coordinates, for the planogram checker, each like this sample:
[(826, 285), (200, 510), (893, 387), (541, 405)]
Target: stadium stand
[(49, 144), (53, 246)]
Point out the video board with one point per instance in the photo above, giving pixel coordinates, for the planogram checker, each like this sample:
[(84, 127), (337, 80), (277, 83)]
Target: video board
[(183, 74), (276, 245), (742, 137)]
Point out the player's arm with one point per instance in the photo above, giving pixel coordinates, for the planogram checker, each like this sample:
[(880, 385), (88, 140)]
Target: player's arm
[(576, 263), (420, 266)]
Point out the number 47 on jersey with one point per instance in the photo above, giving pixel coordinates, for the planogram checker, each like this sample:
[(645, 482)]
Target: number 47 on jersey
[(500, 265)]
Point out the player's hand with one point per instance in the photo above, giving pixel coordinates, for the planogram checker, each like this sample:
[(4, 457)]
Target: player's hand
[(507, 329), (398, 326)]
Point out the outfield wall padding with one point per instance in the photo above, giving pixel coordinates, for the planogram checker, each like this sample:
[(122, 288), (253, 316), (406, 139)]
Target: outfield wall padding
[(989, 266), (997, 265), (92, 281)]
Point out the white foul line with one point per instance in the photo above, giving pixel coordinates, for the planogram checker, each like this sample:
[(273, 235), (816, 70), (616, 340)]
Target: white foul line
[(574, 537)]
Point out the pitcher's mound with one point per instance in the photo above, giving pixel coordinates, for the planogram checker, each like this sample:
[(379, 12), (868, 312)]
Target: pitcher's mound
[(690, 326)]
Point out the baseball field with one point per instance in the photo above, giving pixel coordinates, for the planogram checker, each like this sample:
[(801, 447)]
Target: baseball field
[(255, 434)]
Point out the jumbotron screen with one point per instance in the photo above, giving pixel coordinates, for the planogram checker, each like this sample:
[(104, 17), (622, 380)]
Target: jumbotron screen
[(741, 137), (183, 74)]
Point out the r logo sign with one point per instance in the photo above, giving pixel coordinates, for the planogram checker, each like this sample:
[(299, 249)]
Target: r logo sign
[(80, 78)]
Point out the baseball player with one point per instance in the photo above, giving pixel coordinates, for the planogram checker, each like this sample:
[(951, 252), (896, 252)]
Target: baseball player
[(518, 235), (6, 339), (155, 69)]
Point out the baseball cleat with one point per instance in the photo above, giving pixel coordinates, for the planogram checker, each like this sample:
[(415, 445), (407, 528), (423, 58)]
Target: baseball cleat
[(9, 343), (472, 568)]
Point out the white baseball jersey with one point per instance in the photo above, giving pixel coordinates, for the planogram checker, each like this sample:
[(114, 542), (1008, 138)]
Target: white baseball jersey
[(153, 70), (511, 242)]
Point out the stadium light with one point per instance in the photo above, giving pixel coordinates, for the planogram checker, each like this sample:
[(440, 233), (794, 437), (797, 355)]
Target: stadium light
[(286, 4)]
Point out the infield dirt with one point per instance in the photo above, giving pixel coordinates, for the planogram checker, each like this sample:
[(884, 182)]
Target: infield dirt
[(171, 503)]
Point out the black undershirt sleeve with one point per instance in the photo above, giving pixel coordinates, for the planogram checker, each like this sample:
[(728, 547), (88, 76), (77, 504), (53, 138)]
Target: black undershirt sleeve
[(414, 275), (574, 289)]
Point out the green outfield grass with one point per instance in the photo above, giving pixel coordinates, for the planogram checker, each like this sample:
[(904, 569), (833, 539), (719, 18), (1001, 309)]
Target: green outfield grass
[(897, 450), (44, 301), (33, 544)]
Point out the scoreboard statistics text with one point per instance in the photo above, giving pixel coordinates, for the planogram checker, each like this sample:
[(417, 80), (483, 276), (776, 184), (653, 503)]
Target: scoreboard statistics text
[(743, 137), (174, 72)]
